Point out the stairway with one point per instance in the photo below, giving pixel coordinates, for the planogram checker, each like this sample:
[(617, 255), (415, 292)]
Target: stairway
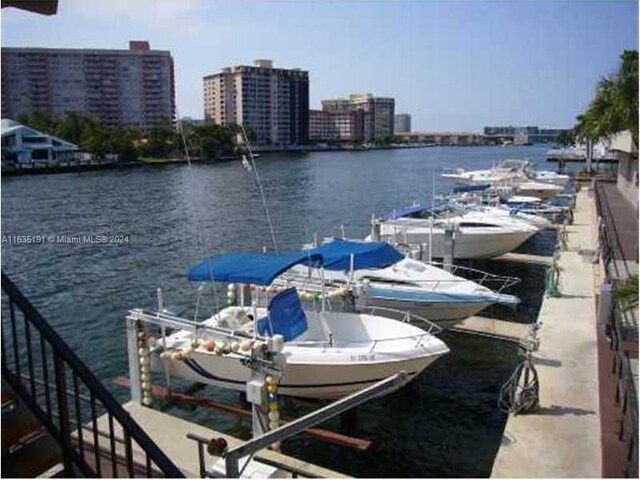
[(27, 449)]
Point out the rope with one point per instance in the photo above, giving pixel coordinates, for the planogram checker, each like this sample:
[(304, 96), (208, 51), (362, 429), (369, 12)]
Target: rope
[(520, 394)]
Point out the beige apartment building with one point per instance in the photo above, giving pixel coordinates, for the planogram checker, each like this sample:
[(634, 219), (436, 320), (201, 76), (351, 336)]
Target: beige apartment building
[(378, 122), (336, 126), (273, 102), (118, 87)]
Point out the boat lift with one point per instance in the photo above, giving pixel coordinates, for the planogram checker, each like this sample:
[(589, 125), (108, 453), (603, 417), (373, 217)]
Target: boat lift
[(267, 365)]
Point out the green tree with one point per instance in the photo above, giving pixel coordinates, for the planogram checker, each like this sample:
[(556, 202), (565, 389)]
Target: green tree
[(162, 140), (41, 121), (213, 141), (614, 107)]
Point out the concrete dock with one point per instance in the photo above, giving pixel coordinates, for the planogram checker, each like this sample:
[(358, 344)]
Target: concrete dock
[(525, 258), (561, 438), (170, 434), (491, 327)]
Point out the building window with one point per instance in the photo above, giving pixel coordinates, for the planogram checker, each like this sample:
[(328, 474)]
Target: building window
[(39, 154)]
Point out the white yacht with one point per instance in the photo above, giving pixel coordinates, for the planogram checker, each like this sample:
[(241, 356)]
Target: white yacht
[(518, 176), (506, 173), (327, 354), (547, 176), (451, 233)]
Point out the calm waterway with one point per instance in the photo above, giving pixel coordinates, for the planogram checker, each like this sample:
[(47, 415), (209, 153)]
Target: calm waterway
[(445, 423)]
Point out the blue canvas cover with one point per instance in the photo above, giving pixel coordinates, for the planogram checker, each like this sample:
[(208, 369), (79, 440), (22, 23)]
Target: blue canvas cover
[(254, 268), (471, 188), (404, 212), (337, 254), (286, 316)]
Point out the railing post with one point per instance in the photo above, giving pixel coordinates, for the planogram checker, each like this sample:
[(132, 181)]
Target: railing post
[(63, 414), (604, 305)]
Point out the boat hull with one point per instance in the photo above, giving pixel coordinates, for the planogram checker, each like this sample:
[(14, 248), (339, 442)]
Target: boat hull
[(467, 245), (445, 314), (329, 379)]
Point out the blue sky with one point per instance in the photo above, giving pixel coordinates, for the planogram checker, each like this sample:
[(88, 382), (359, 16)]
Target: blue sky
[(452, 65)]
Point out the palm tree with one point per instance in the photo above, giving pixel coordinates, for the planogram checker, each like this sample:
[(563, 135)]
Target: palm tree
[(627, 293), (614, 107)]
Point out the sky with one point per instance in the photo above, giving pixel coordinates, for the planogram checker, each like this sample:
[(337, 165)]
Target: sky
[(453, 65)]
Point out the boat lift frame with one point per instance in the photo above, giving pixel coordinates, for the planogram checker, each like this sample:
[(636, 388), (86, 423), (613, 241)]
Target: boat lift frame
[(234, 455)]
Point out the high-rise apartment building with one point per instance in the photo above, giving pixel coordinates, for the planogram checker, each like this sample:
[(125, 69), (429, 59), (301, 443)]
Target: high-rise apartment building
[(336, 126), (402, 123), (118, 87), (273, 102), (378, 113)]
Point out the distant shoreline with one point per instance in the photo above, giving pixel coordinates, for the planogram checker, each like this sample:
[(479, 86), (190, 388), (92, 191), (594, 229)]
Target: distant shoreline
[(77, 167)]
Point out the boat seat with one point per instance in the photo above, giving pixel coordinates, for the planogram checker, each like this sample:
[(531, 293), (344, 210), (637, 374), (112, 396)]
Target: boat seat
[(285, 317), (233, 318)]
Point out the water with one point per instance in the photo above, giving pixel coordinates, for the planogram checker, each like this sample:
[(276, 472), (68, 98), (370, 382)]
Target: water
[(445, 423)]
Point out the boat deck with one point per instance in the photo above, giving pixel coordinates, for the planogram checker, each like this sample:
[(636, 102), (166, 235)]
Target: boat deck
[(561, 438)]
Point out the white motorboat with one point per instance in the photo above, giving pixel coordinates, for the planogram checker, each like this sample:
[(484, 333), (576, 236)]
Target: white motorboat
[(327, 354), (518, 176), (453, 234), (535, 206), (548, 176), (506, 173), (480, 212), (537, 189), (379, 276)]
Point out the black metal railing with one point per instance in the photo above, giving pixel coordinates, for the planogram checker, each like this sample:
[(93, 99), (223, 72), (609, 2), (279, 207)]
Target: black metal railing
[(620, 324), (97, 436), (609, 239), (626, 394)]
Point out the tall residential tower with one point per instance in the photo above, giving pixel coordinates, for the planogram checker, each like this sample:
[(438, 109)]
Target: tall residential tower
[(273, 102), (402, 123), (378, 113), (118, 87)]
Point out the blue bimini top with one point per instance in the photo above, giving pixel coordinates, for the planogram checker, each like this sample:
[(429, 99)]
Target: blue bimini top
[(336, 254), (253, 268), (405, 212)]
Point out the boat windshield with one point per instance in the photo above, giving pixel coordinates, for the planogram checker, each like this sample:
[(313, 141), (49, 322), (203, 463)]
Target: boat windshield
[(512, 164)]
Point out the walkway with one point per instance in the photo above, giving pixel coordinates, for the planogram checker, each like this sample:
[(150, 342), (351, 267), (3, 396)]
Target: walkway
[(562, 437)]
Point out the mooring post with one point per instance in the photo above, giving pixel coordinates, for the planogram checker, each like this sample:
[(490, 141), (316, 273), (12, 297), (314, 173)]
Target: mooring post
[(449, 246), (375, 229)]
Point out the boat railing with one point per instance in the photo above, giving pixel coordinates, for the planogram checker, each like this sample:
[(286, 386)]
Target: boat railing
[(333, 343), (496, 283), (164, 320), (406, 316), (483, 278)]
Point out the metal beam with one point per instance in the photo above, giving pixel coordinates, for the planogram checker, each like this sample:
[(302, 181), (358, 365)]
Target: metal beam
[(233, 455)]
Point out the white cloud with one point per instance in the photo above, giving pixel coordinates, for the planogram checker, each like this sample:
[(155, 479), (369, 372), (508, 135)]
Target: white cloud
[(179, 16)]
